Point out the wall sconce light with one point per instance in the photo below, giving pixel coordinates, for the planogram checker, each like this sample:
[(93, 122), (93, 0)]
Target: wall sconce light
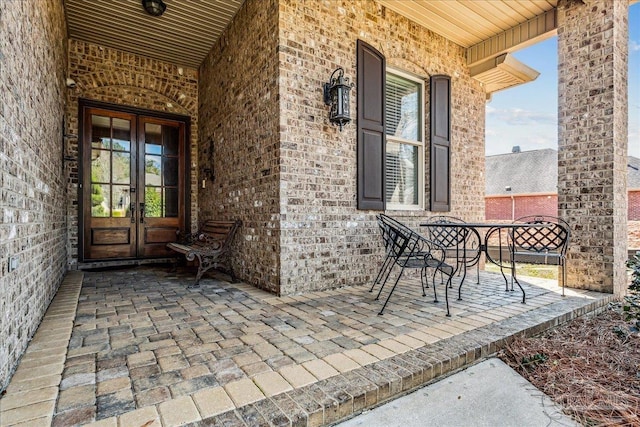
[(154, 7), (336, 94)]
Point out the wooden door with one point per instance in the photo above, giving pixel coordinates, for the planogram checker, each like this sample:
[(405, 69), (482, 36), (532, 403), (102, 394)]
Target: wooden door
[(133, 195), (161, 205)]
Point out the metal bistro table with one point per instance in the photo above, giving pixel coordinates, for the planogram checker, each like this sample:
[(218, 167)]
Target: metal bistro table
[(446, 229)]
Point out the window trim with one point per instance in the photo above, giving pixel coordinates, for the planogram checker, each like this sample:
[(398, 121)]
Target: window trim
[(421, 143)]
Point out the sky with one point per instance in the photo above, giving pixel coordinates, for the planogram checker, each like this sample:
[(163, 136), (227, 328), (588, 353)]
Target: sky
[(526, 115)]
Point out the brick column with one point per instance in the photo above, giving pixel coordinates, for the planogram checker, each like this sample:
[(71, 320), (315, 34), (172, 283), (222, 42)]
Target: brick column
[(592, 140)]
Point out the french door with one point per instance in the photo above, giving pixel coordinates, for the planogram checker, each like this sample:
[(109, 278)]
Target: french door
[(133, 189)]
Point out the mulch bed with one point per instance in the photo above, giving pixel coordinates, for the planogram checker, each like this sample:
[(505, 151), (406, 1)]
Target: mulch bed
[(590, 366)]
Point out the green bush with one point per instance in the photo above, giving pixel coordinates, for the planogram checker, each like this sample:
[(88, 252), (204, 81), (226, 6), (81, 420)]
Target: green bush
[(631, 303), (634, 264)]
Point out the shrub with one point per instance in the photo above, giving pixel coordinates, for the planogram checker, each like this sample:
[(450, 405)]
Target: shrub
[(631, 303), (634, 264)]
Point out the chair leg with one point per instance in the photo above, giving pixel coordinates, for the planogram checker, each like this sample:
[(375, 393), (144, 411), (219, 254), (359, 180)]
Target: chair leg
[(506, 281), (384, 282), (391, 292), (464, 276), (435, 295), (563, 272), (524, 295), (383, 269), (446, 296), (423, 278)]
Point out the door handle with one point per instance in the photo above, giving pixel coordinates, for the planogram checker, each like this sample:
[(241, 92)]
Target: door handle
[(141, 212), (132, 208)]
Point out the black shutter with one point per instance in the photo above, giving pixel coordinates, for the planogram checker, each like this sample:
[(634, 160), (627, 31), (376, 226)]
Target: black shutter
[(440, 187), (371, 139)]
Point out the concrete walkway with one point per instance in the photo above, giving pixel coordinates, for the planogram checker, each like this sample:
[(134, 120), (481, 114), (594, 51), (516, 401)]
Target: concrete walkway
[(137, 347), (489, 394)]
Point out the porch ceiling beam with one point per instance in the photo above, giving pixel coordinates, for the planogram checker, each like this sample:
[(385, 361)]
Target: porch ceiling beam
[(527, 33), (502, 72)]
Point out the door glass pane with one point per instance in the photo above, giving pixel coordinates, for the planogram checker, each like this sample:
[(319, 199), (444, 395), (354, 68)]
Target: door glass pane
[(153, 149), (153, 133), (100, 131), (121, 134), (152, 170), (171, 141), (161, 170), (101, 142), (170, 171), (170, 202), (121, 168), (100, 197), (100, 166), (121, 201), (153, 202), (153, 138), (120, 144)]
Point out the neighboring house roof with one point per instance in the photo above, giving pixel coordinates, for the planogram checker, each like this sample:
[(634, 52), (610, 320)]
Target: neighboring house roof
[(633, 179), (535, 172), (524, 172)]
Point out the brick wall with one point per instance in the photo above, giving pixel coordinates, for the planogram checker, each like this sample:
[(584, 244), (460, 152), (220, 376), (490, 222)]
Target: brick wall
[(326, 241), (634, 206), (500, 208), (239, 139), (33, 227), (117, 77), (280, 166)]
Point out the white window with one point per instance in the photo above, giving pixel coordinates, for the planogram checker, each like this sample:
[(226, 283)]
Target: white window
[(404, 112)]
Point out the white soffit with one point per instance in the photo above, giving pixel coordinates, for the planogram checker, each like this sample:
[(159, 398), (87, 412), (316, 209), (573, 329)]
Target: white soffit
[(469, 22), (183, 35), (188, 29)]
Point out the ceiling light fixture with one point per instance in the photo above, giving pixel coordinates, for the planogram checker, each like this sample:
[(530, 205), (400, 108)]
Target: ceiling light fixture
[(154, 7)]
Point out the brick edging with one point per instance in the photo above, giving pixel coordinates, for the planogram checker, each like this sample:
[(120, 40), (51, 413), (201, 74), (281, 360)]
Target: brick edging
[(345, 395)]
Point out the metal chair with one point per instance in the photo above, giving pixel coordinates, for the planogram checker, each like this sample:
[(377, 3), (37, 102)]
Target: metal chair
[(463, 244), (408, 249), (540, 245), (387, 263)]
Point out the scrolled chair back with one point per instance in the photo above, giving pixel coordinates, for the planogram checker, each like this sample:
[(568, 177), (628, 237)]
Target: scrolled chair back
[(552, 238), (448, 237)]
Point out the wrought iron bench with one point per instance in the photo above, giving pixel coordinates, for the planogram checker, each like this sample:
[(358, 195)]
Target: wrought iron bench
[(211, 245)]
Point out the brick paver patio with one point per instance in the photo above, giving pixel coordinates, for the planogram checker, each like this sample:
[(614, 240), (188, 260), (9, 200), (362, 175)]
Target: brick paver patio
[(137, 347)]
